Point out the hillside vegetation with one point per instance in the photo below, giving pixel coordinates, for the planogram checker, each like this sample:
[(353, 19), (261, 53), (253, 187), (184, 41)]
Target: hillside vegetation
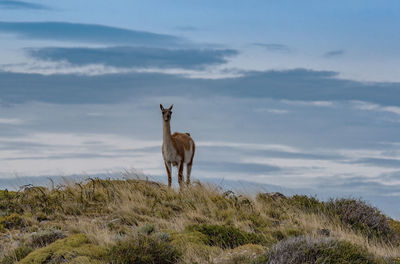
[(138, 221)]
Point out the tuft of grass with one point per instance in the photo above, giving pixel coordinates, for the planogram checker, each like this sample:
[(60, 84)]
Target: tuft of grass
[(241, 255), (144, 249), (225, 236), (16, 255), (45, 237)]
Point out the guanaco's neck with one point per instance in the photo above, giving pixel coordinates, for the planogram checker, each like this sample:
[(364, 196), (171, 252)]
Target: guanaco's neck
[(166, 132)]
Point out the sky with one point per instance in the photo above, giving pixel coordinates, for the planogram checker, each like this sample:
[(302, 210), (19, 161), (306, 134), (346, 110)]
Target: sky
[(294, 96)]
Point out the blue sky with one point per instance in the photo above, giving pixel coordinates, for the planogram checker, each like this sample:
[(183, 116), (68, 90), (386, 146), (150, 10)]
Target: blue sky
[(302, 96)]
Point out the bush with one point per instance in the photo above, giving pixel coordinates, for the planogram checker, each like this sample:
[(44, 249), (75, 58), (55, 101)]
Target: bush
[(147, 229), (395, 225), (12, 221), (144, 249), (73, 248), (16, 255), (361, 217), (300, 250), (356, 214), (46, 237), (226, 236), (305, 203)]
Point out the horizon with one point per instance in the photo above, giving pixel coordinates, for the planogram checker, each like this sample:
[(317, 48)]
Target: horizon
[(304, 96)]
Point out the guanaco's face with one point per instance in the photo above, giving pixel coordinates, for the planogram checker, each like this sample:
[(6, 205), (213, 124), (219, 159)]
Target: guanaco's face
[(166, 113)]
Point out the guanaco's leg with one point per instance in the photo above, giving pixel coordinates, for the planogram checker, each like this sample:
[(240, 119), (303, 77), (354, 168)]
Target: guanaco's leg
[(188, 171), (189, 165), (180, 174), (168, 168)]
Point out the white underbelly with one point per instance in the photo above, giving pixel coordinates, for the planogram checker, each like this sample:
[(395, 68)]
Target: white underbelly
[(170, 155), (188, 154)]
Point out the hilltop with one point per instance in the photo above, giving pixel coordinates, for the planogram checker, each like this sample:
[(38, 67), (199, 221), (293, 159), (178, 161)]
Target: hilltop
[(139, 221)]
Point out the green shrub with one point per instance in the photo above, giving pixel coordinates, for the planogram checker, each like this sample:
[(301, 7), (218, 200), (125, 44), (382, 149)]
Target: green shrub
[(144, 249), (226, 236), (147, 229), (65, 250), (45, 237), (395, 225), (305, 203), (16, 255), (300, 250), (12, 221), (8, 202)]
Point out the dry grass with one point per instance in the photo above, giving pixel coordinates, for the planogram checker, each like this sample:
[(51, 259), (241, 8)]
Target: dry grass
[(110, 211)]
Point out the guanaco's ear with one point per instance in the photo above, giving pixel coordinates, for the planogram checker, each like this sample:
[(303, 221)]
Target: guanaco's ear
[(161, 107), (170, 108)]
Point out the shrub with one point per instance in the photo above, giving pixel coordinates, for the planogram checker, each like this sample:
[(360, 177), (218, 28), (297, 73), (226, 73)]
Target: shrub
[(361, 217), (16, 255), (226, 236), (147, 229), (45, 237), (395, 225), (299, 250), (356, 214), (12, 221), (66, 250), (8, 202), (144, 249), (305, 203)]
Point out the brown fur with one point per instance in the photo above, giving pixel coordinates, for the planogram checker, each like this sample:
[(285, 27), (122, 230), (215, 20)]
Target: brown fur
[(181, 143)]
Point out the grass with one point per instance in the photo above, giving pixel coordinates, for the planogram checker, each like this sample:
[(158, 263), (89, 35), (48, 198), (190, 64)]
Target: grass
[(138, 221)]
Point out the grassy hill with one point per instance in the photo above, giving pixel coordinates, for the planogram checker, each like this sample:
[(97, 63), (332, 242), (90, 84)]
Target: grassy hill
[(138, 221)]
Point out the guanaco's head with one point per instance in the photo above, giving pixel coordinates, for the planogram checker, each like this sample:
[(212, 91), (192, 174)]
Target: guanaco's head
[(166, 113)]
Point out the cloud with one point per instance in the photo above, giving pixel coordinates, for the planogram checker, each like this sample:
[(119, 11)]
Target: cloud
[(381, 162), (62, 31), (9, 4), (10, 121), (136, 57), (311, 103), (375, 107), (187, 28), (334, 53), (291, 85), (274, 47), (235, 145), (233, 167), (272, 110)]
